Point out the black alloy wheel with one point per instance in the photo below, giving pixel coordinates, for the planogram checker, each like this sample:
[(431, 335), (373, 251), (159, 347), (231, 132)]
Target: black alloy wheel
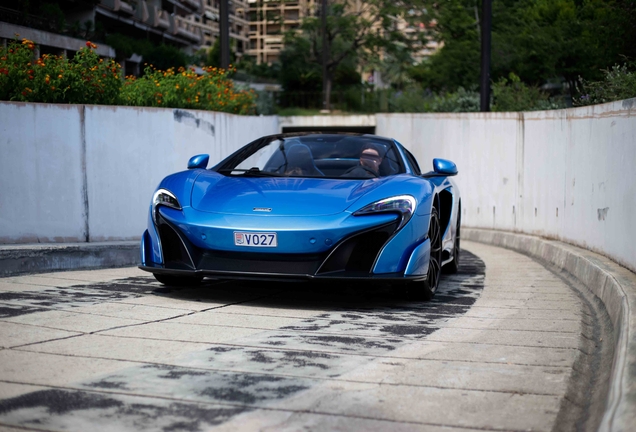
[(176, 281), (426, 290)]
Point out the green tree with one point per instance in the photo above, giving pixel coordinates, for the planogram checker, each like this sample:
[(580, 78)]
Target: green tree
[(618, 83), (161, 56), (452, 23), (214, 54), (538, 40), (357, 33)]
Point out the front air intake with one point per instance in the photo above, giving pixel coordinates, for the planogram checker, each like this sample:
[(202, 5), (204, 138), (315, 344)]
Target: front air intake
[(175, 252), (358, 253)]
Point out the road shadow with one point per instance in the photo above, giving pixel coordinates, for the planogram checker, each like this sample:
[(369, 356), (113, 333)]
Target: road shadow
[(348, 327), (462, 288)]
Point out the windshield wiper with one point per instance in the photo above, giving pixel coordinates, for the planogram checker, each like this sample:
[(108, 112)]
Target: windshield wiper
[(254, 171)]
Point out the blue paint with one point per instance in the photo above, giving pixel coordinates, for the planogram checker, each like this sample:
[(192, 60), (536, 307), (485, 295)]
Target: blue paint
[(310, 214), (199, 161), (445, 167)]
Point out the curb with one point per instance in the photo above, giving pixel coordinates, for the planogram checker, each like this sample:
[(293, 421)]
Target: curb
[(614, 285), (41, 258)]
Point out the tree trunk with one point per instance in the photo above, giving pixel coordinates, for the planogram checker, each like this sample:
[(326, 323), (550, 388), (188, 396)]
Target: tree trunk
[(327, 103)]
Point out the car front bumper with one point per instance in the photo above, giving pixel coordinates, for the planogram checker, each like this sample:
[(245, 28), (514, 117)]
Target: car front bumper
[(364, 248)]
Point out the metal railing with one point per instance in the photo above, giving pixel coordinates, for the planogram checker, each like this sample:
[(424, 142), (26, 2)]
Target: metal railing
[(27, 20)]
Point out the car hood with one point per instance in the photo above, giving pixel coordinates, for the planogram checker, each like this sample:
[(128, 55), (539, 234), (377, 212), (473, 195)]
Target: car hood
[(277, 196)]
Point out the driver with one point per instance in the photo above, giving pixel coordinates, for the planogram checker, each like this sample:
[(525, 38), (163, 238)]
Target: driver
[(371, 157)]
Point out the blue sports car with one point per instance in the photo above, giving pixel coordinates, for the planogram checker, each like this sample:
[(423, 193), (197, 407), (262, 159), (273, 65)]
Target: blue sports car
[(307, 206)]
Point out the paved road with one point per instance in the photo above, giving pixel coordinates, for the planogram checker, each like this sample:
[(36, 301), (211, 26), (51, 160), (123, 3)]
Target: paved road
[(493, 350)]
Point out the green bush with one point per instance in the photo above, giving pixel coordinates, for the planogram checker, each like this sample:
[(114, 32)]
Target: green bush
[(461, 100), (183, 88), (412, 100), (87, 79), (162, 56), (265, 103), (55, 79), (618, 83), (513, 95), (415, 100)]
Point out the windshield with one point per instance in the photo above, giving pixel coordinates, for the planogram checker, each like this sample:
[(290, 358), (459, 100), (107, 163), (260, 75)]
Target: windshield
[(332, 156)]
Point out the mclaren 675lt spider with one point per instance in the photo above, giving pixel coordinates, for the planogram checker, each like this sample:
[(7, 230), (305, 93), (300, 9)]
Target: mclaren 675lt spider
[(307, 206)]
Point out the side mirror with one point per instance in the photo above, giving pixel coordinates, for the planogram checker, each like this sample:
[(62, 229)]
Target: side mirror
[(444, 167), (199, 161)]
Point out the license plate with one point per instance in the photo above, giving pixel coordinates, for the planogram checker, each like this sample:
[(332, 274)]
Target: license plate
[(255, 239)]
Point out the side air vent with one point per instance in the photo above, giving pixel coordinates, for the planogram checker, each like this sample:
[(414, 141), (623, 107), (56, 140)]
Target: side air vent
[(446, 208)]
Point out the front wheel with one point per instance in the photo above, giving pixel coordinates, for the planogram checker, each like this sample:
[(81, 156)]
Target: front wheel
[(425, 290), (171, 280)]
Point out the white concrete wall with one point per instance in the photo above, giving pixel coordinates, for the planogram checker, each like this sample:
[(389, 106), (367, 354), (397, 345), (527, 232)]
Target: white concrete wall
[(130, 159), (72, 173), (41, 176), (565, 174)]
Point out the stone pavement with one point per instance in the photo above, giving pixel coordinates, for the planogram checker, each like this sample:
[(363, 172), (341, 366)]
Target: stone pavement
[(494, 350)]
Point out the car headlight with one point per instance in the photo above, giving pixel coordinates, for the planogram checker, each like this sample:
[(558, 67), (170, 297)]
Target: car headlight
[(165, 198), (402, 204)]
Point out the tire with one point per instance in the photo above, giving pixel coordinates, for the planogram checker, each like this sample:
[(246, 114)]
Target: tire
[(171, 280), (425, 290), (453, 266)]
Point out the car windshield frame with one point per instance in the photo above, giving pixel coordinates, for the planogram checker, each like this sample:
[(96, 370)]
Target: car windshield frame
[(323, 156)]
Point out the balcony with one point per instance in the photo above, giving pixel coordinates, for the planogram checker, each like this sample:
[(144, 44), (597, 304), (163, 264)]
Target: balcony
[(240, 4), (192, 4), (119, 6), (141, 12), (126, 8), (181, 27), (292, 15), (158, 18)]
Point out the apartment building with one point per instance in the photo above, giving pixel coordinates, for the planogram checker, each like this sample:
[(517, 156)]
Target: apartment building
[(187, 24), (412, 31), (208, 23), (269, 20)]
